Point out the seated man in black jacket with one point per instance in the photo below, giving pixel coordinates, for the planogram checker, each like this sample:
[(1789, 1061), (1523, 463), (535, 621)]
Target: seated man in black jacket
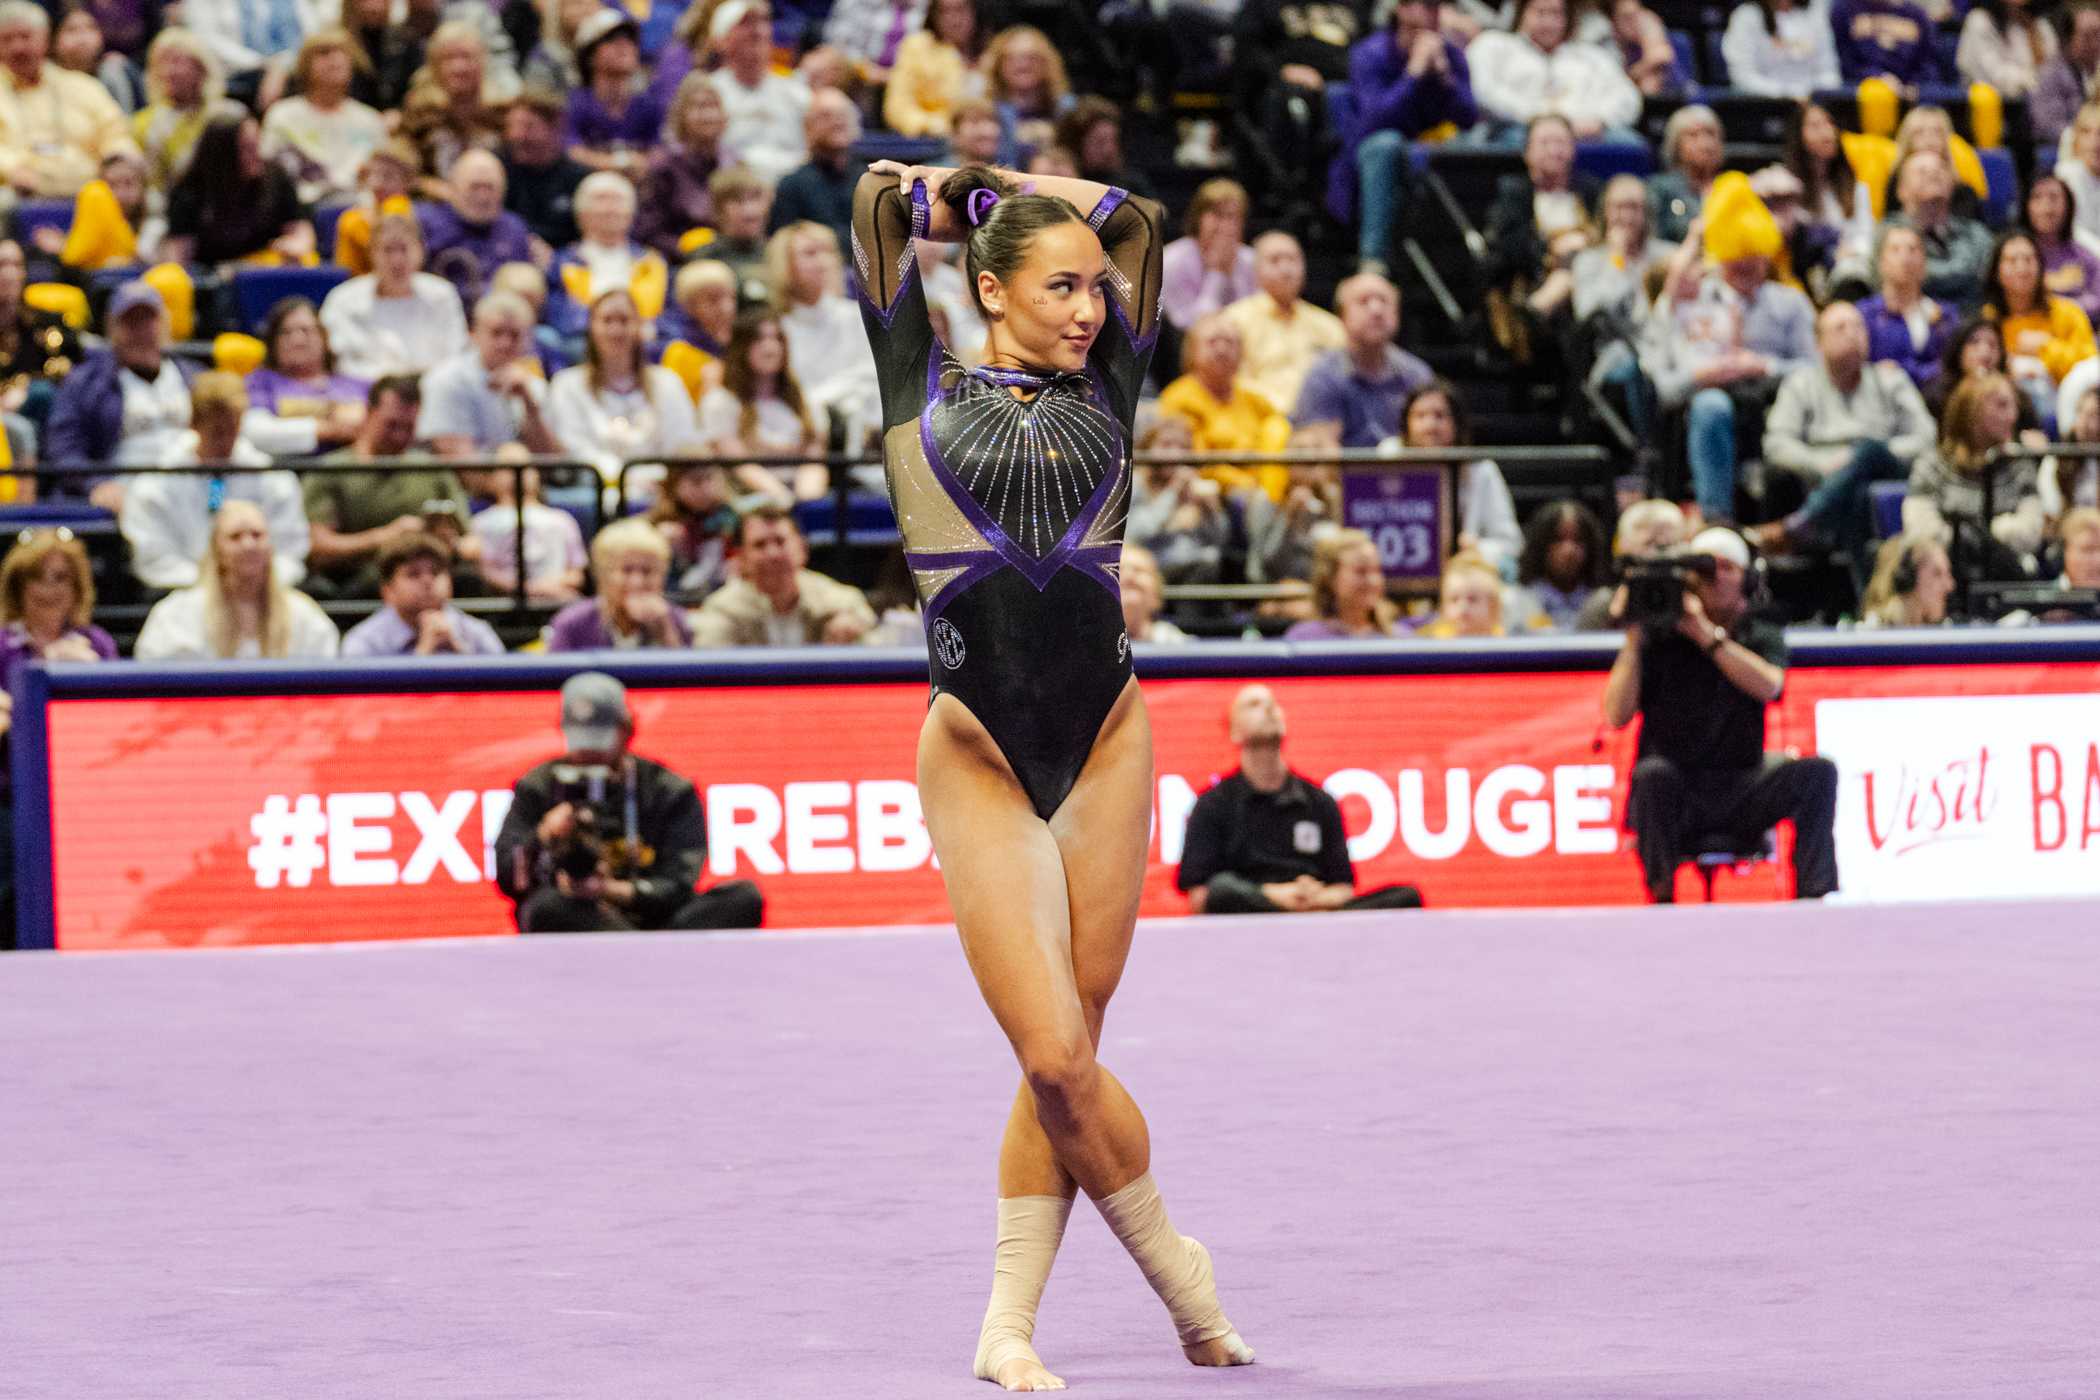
[(1266, 841), (602, 841), (1700, 687)]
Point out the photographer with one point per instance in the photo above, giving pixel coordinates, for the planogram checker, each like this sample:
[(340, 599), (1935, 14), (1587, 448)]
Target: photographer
[(602, 841), (1699, 669)]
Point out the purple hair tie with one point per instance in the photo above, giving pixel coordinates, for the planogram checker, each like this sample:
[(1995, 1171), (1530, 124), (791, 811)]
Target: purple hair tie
[(979, 205)]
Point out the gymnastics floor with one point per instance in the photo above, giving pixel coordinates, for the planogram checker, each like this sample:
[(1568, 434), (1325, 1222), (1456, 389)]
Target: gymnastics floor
[(1743, 1152)]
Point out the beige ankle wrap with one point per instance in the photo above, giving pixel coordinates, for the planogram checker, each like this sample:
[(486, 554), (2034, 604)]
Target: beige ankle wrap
[(1178, 1268), (1030, 1230)]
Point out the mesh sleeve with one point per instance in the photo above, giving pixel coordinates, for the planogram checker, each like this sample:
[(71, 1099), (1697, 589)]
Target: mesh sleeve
[(886, 227), (1131, 234)]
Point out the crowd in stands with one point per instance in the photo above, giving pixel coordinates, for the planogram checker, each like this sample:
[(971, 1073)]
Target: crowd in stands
[(524, 249)]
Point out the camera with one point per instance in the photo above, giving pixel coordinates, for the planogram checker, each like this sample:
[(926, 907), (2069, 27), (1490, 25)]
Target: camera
[(582, 853), (1655, 587)]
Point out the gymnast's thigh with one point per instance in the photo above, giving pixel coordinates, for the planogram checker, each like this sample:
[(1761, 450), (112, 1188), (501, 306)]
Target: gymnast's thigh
[(1103, 831), (1005, 881)]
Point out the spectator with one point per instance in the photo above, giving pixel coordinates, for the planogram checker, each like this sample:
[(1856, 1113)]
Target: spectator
[(37, 348), (1611, 299), (297, 402), (1092, 130), (1209, 266), (821, 191), (934, 70), (486, 396), (1721, 342), (2081, 534), (1283, 539), (418, 617), (2004, 44), (77, 45), (126, 406), (741, 200), (114, 223), (1539, 222), (554, 554), (355, 514), (776, 600), (386, 183), (614, 119), (1351, 397), (1348, 592), (605, 258), (229, 204), (1178, 516), (1931, 129), (1913, 579), (1026, 78), (1841, 425), (1144, 594), (1281, 332), (388, 54), (238, 606), (1534, 70), (759, 408), (1701, 688), (694, 516), (1227, 414), (2044, 335), (47, 602), (324, 133), (1974, 351), (2067, 82), (1469, 601), (182, 88), (1778, 48), (650, 835), (167, 516), (674, 199), (1410, 84), (2075, 481), (2069, 268), (1645, 50), (552, 65), (255, 43), (980, 139), (1563, 568), (1887, 39), (631, 560), (1836, 203), (471, 234), (1947, 484), (827, 346), (1691, 152), (1905, 327), (868, 33), (765, 110), (702, 317), (616, 405), (1435, 417), (1266, 841), (539, 176), (56, 126), (1646, 530), (452, 106), (396, 319)]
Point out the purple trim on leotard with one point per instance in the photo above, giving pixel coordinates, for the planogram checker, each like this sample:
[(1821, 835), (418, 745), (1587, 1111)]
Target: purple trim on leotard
[(1110, 202)]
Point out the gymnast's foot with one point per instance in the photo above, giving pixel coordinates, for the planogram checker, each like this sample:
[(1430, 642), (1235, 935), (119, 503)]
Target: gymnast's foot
[(1016, 1367), (1225, 1348)]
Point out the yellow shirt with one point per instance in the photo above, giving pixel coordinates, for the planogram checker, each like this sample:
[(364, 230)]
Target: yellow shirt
[(1246, 422), (2059, 337), (1279, 348), (59, 130), (929, 78)]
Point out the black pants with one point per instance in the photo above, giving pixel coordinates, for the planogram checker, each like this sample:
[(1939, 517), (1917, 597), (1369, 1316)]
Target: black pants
[(1671, 806), (737, 904), (1236, 894)]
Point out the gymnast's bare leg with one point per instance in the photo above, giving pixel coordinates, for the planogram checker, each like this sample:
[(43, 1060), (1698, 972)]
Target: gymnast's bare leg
[(1046, 911)]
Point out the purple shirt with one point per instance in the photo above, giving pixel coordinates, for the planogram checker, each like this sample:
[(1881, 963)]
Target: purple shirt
[(467, 255), (1368, 409), (1891, 37), (281, 395), (1320, 629), (2071, 270), (1889, 338), (637, 126), (388, 633), (17, 650), (1189, 291), (581, 627)]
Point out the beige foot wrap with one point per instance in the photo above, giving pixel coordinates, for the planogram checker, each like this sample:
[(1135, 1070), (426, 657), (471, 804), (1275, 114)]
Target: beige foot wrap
[(1177, 1267), (1030, 1230)]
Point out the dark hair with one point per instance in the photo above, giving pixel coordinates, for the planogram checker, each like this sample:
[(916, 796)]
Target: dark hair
[(406, 387), (213, 174), (763, 510), (274, 322), (1950, 358), (2068, 231), (1835, 175), (1994, 303), (933, 27), (1082, 117), (543, 102), (999, 243), (1543, 531), (1461, 424), (739, 378), (407, 549)]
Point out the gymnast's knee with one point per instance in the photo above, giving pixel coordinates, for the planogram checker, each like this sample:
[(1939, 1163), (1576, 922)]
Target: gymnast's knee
[(1061, 1075)]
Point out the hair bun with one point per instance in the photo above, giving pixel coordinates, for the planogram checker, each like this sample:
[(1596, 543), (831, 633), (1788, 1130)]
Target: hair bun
[(971, 191)]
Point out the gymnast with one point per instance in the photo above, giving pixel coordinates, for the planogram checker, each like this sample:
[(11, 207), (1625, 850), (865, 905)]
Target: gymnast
[(1010, 483)]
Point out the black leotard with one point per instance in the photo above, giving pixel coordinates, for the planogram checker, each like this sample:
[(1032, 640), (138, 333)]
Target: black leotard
[(1012, 510)]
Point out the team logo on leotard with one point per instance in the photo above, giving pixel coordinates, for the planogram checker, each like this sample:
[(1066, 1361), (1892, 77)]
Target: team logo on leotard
[(947, 643), (1122, 647)]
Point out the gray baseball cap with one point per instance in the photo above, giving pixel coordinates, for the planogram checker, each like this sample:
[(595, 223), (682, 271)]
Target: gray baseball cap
[(130, 297), (593, 712)]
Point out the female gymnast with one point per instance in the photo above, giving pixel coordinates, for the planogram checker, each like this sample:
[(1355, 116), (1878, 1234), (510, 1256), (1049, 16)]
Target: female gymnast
[(1035, 763)]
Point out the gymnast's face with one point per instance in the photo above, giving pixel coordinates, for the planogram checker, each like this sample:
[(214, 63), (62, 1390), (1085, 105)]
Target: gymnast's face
[(1048, 312)]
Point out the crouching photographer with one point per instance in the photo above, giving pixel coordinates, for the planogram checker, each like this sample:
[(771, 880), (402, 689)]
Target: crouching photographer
[(603, 841), (1699, 669)]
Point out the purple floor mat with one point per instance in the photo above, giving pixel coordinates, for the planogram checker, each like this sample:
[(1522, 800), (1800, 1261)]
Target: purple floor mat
[(1701, 1153)]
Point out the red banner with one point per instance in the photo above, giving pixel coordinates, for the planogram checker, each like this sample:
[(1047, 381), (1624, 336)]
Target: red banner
[(180, 822)]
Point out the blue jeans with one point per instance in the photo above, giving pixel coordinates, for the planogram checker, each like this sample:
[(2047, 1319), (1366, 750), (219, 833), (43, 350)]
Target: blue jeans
[(1710, 450), (1841, 510), (1382, 164)]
